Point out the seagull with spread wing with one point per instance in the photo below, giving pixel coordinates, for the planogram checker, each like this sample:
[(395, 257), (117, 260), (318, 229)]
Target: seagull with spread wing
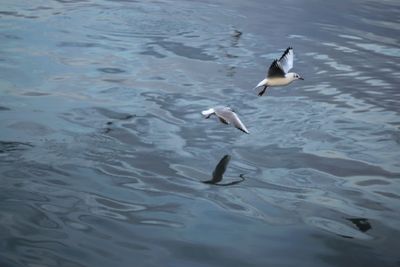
[(226, 115), (278, 74)]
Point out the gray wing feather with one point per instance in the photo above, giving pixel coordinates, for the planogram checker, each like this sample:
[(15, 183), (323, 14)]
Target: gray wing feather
[(286, 60), (275, 70), (231, 117)]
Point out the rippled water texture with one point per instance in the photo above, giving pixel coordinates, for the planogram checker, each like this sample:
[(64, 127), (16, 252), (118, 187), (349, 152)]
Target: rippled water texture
[(104, 155)]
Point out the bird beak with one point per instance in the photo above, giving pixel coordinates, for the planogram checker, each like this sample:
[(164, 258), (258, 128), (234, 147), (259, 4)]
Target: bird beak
[(301, 78)]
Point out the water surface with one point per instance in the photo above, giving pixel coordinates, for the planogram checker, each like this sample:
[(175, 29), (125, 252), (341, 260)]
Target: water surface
[(103, 150)]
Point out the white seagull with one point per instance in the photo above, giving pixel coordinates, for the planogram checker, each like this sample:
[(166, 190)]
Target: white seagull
[(226, 115), (278, 74)]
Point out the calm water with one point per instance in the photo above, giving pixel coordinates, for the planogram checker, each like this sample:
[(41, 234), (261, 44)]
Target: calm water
[(103, 150)]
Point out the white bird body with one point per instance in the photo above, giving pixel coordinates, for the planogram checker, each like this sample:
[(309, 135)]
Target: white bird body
[(278, 74), (278, 81)]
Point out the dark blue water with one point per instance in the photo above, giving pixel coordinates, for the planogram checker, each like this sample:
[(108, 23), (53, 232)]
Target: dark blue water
[(103, 150)]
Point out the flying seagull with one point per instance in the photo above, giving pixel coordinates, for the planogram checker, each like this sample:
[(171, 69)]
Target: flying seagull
[(226, 115), (278, 74)]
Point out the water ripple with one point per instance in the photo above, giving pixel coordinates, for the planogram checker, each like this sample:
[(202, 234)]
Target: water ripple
[(103, 148), (340, 229)]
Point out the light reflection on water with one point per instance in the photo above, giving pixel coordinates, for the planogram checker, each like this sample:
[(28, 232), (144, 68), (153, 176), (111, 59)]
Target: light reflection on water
[(103, 149)]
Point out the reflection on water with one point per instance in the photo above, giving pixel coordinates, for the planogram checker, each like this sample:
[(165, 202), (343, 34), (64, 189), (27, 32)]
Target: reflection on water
[(102, 146), (219, 171)]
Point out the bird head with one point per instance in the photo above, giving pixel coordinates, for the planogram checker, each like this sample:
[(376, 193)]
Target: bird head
[(297, 76)]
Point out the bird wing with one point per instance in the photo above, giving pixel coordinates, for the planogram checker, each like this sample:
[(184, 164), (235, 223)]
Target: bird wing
[(275, 70), (280, 67), (286, 60), (231, 117)]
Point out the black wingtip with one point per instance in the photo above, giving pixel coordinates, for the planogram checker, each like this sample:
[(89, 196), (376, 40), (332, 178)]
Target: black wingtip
[(244, 131), (287, 50)]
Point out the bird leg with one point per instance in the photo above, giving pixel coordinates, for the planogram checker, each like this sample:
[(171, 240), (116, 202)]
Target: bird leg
[(262, 91)]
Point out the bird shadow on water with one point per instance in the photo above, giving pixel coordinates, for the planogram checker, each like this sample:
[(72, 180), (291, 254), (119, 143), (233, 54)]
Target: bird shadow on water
[(219, 171)]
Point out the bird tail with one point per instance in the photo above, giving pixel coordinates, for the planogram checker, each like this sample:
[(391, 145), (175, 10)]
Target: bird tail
[(262, 83), (208, 112)]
